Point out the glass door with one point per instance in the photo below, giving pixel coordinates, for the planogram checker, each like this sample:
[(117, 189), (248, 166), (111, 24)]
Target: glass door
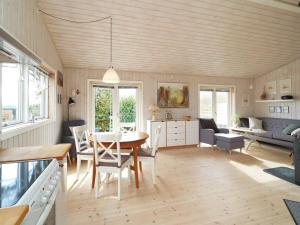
[(103, 101), (215, 103), (115, 108)]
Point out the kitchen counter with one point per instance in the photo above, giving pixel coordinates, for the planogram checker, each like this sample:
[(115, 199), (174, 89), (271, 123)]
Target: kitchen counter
[(13, 215), (58, 152)]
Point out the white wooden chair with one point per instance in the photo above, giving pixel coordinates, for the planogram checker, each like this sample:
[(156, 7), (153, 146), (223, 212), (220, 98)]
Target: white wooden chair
[(150, 154), (83, 147), (109, 162)]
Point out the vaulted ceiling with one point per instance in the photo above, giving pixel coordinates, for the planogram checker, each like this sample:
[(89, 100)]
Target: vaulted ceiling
[(231, 38)]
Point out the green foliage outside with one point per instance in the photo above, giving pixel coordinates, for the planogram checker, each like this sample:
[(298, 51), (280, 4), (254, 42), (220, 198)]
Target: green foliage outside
[(103, 109)]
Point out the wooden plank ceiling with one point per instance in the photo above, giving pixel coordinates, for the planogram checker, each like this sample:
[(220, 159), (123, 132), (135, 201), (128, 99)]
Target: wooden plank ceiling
[(231, 38)]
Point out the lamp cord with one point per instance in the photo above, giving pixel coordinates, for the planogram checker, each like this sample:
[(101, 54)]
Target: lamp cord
[(85, 22)]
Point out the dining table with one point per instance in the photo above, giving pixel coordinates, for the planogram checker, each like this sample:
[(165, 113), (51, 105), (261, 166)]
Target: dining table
[(129, 140)]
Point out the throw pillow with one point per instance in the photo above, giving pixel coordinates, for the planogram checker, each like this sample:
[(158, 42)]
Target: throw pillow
[(255, 123), (290, 128), (209, 124), (296, 133), (244, 122)]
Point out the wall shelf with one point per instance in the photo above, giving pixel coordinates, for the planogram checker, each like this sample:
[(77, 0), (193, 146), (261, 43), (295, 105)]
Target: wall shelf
[(275, 100)]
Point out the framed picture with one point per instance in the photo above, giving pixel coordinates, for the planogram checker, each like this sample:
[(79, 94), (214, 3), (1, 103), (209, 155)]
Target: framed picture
[(285, 86), (245, 100), (172, 95), (271, 88), (278, 109), (60, 79), (271, 109), (285, 109)]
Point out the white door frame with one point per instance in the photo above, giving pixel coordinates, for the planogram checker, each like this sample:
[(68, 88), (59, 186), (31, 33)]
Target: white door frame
[(232, 100), (91, 103)]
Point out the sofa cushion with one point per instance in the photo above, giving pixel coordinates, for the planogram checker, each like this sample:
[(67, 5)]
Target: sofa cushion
[(230, 137), (290, 128), (296, 133), (244, 122), (284, 137), (208, 124), (267, 134), (255, 123)]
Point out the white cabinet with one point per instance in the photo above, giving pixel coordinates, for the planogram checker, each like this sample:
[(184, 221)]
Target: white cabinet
[(192, 132), (151, 128), (175, 132)]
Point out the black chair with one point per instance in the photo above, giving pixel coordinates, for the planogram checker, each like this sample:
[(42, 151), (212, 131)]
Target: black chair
[(67, 136)]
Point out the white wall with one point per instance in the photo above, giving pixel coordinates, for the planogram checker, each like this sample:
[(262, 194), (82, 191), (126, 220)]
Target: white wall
[(21, 19), (77, 79), (290, 71)]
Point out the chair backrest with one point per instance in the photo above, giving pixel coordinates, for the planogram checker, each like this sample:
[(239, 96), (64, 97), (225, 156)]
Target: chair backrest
[(81, 136), (156, 141), (104, 143), (127, 127)]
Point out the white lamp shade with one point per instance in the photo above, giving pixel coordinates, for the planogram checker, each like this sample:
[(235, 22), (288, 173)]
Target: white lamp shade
[(111, 77)]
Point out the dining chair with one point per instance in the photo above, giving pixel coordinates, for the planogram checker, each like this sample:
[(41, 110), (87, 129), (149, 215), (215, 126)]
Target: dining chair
[(83, 147), (108, 158), (150, 154)]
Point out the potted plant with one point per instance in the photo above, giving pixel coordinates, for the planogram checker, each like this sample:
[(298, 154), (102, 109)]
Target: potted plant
[(236, 120)]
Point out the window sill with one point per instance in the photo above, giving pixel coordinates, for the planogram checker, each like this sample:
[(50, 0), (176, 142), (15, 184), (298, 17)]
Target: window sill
[(22, 128)]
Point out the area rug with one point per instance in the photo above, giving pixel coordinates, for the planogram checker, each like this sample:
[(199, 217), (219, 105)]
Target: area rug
[(294, 209), (283, 173)]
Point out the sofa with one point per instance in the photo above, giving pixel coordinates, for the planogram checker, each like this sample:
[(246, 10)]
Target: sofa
[(207, 131), (67, 136), (273, 128)]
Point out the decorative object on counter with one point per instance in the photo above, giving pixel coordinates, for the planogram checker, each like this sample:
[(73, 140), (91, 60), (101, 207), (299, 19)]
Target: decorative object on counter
[(71, 101), (172, 95), (285, 109), (263, 95), (285, 86), (168, 115), (154, 109), (187, 118), (287, 97), (245, 100)]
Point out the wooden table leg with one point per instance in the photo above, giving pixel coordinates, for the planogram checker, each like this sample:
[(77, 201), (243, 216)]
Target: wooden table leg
[(136, 170), (94, 172)]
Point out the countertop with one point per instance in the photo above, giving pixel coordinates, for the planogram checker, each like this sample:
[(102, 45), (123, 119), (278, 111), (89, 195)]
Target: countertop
[(58, 152), (13, 215)]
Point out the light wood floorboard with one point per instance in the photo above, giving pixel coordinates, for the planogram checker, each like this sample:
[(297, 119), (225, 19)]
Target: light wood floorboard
[(194, 186)]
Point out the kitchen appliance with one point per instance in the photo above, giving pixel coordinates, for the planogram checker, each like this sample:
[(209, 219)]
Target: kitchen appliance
[(34, 183)]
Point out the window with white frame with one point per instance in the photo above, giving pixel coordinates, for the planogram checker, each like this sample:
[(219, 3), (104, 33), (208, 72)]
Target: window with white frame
[(24, 94)]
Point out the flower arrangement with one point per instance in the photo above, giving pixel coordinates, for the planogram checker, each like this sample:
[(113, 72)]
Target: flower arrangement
[(153, 109)]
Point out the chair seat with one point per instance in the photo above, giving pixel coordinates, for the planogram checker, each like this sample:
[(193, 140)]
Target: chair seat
[(124, 159), (144, 152), (88, 151)]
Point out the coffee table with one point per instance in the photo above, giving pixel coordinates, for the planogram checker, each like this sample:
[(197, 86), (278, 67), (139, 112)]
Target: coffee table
[(247, 132)]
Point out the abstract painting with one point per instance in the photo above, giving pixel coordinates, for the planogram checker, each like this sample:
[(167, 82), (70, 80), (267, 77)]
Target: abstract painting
[(172, 95)]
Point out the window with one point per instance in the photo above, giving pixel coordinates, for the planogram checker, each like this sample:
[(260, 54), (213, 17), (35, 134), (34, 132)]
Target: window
[(11, 94), (24, 94), (216, 103)]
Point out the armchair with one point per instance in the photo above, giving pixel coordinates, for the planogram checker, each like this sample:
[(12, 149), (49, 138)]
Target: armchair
[(207, 131), (67, 136)]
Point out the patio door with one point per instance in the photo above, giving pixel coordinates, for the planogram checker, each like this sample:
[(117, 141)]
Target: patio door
[(216, 103), (115, 107)]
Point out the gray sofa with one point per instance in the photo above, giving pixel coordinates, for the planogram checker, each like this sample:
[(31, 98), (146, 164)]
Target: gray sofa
[(274, 135)]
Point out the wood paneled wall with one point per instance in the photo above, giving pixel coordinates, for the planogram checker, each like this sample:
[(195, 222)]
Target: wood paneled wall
[(77, 79), (290, 71), (22, 20)]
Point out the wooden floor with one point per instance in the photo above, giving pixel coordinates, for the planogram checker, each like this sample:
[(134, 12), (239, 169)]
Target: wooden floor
[(194, 186)]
